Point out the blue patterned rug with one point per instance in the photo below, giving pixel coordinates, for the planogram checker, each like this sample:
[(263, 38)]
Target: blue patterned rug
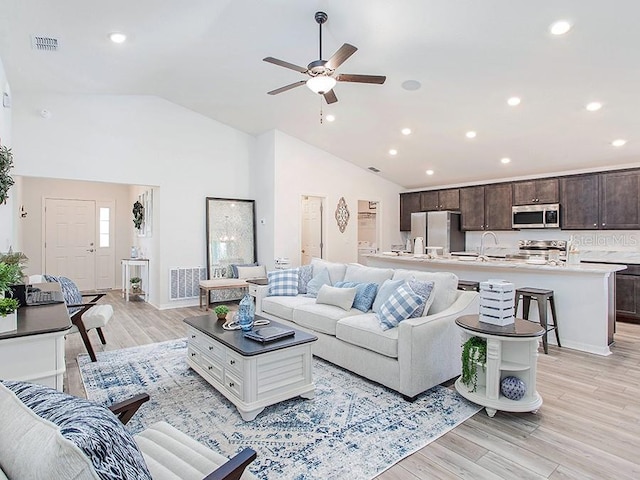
[(352, 429)]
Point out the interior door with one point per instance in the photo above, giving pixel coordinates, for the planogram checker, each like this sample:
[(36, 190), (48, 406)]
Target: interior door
[(70, 246), (312, 229)]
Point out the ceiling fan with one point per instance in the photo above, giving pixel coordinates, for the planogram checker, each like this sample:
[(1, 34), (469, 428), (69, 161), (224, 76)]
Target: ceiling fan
[(322, 73)]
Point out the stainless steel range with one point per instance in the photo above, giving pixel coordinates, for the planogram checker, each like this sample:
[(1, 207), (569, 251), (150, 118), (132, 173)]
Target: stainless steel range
[(531, 249)]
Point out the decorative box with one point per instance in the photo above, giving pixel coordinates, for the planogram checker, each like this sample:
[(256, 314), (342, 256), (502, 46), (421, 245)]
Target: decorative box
[(497, 302)]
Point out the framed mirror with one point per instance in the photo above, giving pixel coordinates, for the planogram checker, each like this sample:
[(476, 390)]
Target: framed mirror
[(231, 235)]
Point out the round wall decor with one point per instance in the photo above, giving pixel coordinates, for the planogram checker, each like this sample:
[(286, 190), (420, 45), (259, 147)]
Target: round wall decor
[(342, 214)]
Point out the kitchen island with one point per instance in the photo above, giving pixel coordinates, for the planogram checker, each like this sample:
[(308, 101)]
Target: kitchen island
[(584, 293)]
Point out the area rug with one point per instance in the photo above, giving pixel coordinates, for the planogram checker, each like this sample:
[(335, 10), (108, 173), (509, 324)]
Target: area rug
[(353, 428)]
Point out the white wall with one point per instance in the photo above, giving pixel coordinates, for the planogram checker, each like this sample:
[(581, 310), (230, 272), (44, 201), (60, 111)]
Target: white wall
[(301, 169), (138, 140), (262, 190), (8, 235)]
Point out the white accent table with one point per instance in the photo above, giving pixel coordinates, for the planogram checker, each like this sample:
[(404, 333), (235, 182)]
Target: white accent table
[(251, 375), (138, 265), (512, 350)]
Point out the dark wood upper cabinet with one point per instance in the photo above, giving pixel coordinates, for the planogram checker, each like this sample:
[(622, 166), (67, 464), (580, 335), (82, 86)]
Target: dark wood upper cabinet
[(449, 199), (472, 208), (536, 191), (497, 206), (409, 203), (579, 199), (620, 200), (429, 201)]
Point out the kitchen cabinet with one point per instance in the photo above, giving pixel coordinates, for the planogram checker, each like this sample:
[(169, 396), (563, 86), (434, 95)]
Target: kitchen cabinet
[(628, 294), (579, 199), (409, 203), (620, 200), (536, 191), (448, 199), (486, 207)]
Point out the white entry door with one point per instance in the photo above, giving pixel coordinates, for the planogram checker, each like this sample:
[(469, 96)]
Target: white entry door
[(312, 229), (70, 244)]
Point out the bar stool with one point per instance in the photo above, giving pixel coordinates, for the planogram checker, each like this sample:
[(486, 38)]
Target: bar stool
[(542, 296), (468, 285)]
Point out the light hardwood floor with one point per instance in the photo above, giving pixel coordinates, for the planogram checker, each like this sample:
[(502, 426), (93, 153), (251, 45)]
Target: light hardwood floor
[(587, 428)]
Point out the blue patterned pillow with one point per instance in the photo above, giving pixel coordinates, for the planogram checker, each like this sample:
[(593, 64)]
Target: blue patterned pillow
[(94, 429), (400, 305), (305, 273), (320, 278), (70, 292), (423, 289), (283, 282), (365, 294)]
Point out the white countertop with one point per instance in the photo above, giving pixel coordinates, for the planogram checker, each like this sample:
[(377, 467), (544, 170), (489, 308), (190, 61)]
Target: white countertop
[(501, 263)]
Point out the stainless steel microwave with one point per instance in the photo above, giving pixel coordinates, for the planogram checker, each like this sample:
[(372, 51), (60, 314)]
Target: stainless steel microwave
[(536, 216)]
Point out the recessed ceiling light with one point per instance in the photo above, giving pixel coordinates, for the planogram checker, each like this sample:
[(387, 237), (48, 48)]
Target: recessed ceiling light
[(411, 85), (117, 37), (331, 118), (429, 172), (505, 160), (406, 131), (393, 151), (514, 101), (618, 142), (470, 134), (560, 28), (593, 106)]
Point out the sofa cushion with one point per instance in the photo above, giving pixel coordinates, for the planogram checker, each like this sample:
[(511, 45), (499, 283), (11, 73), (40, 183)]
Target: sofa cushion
[(305, 273), (384, 292), (283, 282), (445, 285), (54, 428), (423, 289), (361, 274), (365, 294), (364, 331), (320, 278), (321, 318), (336, 270), (400, 305), (283, 306), (339, 297)]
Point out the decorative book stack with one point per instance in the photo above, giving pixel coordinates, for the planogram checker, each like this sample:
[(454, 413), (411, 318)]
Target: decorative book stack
[(497, 299)]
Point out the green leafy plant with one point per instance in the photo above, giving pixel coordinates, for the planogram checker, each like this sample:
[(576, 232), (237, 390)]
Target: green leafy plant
[(15, 258), (474, 354), (10, 274), (8, 305), (135, 280), (138, 215), (6, 164), (221, 311)]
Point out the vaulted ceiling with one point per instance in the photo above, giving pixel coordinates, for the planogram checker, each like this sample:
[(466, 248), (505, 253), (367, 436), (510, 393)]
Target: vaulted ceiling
[(469, 57)]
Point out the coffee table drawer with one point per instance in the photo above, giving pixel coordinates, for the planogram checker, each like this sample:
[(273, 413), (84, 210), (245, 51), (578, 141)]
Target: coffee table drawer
[(233, 384), (206, 344), (234, 362), (212, 368)]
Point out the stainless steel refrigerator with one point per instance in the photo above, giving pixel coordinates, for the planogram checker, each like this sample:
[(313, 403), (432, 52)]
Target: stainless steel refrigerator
[(438, 229)]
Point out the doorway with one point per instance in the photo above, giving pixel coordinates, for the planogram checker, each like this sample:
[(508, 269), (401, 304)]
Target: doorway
[(312, 229), (367, 229)]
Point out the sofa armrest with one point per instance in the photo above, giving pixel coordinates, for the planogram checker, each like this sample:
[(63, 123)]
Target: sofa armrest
[(429, 347), (259, 292)]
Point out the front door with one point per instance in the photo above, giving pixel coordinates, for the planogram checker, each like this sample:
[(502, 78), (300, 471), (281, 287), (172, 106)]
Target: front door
[(312, 229), (70, 246)]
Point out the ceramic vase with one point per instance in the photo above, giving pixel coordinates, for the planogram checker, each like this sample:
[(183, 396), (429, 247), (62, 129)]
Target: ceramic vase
[(9, 323)]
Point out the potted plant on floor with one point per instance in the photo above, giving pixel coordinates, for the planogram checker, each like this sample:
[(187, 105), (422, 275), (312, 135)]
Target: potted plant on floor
[(136, 284), (221, 311), (474, 354)]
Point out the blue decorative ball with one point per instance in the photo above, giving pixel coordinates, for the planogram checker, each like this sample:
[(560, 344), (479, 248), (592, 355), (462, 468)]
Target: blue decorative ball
[(513, 388)]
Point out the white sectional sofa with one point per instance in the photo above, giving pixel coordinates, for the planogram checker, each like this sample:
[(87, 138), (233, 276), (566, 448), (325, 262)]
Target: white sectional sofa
[(411, 358)]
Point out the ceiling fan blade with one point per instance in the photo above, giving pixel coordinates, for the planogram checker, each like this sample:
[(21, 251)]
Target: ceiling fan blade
[(349, 77), (330, 97), (286, 87), (282, 63), (338, 58)]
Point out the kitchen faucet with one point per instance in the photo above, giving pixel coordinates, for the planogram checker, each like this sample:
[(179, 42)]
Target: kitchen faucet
[(495, 239)]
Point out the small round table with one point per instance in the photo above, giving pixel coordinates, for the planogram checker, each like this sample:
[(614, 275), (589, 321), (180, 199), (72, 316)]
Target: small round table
[(512, 350)]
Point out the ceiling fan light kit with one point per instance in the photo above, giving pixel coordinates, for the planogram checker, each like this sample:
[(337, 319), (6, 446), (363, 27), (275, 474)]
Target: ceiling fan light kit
[(322, 73)]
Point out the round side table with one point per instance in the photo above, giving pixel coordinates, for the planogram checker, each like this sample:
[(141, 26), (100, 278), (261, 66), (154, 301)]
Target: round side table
[(512, 350)]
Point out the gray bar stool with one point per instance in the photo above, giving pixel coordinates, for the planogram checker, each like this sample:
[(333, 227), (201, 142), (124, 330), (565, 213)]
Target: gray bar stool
[(468, 285), (542, 296)]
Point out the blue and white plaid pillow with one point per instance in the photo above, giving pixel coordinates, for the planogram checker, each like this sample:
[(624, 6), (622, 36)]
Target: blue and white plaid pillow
[(400, 305), (283, 282)]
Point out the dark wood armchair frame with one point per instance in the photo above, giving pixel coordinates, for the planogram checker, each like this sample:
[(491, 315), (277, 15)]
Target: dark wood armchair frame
[(76, 319), (231, 470)]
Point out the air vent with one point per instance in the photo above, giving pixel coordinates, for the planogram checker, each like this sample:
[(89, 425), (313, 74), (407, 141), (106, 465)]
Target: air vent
[(45, 44), (374, 169)]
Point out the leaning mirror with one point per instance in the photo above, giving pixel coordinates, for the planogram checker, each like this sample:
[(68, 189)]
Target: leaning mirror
[(231, 235)]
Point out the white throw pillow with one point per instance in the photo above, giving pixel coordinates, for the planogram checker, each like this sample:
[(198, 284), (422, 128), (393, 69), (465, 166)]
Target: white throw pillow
[(336, 270), (258, 271), (339, 297)]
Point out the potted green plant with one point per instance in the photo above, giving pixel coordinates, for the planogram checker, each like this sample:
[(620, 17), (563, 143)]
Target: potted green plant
[(6, 164), (9, 275), (221, 311), (136, 284), (474, 354)]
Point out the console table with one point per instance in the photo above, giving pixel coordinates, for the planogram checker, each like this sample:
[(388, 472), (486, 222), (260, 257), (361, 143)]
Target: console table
[(35, 351), (138, 264), (512, 350)]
